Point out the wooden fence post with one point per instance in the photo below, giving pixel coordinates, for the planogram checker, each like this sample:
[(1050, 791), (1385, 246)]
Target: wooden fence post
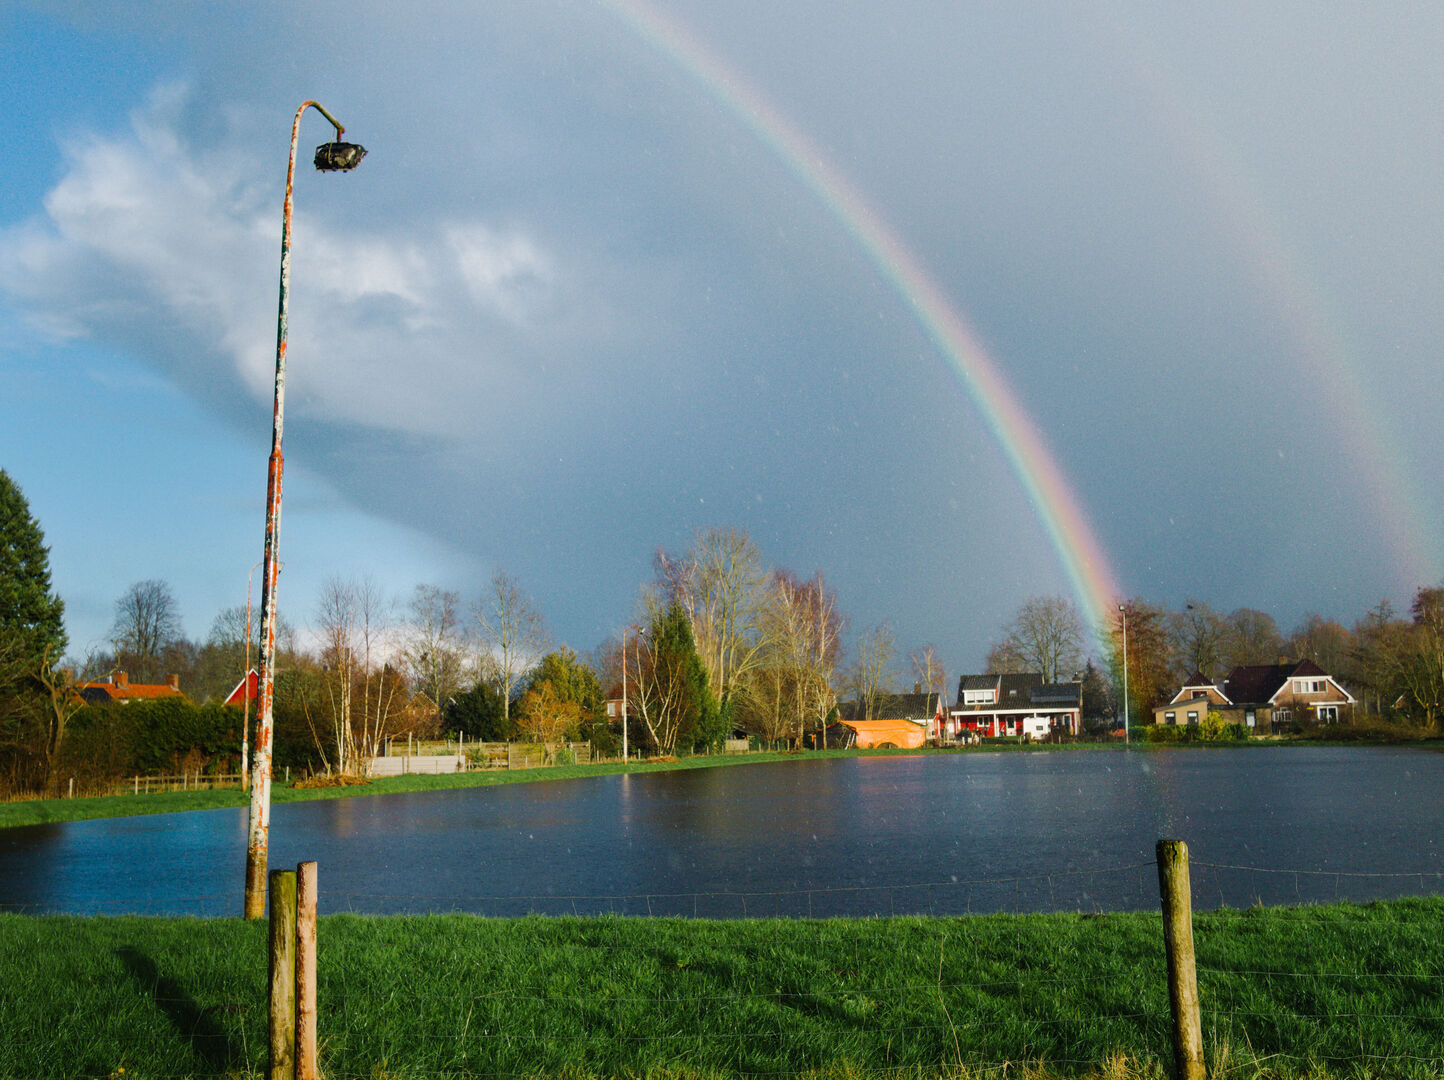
[(1175, 892), (306, 971), (282, 998)]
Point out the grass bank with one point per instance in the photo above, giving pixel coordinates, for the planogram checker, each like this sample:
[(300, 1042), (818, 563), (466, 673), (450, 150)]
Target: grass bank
[(1338, 991)]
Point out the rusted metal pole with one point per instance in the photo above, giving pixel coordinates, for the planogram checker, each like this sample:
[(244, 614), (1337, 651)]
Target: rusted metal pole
[(246, 690), (306, 971), (1174, 891), (281, 1001), (259, 823)]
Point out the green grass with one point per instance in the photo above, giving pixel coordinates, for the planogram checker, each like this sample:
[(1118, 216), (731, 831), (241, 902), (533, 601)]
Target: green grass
[(1338, 991)]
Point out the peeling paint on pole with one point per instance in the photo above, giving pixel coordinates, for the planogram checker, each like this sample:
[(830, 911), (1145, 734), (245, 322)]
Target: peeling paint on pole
[(259, 824)]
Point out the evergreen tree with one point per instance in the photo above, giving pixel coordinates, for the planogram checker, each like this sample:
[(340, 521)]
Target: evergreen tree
[(478, 714), (690, 710), (31, 615)]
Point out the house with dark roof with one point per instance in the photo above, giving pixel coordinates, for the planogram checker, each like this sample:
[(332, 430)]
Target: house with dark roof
[(1017, 704), (118, 687), (1261, 697)]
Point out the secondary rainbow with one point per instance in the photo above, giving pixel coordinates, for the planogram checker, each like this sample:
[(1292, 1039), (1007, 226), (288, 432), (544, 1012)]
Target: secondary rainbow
[(1072, 537)]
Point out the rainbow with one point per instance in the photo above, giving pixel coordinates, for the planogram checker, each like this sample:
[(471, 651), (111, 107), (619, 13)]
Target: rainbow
[(1326, 361), (1072, 537)]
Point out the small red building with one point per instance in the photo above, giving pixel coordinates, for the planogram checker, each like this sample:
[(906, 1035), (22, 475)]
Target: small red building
[(245, 689)]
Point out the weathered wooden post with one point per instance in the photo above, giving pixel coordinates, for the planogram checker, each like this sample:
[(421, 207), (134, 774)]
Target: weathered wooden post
[(282, 997), (1175, 893), (306, 971)]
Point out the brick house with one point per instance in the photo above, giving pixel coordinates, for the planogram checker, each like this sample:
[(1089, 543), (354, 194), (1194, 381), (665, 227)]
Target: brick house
[(1261, 697)]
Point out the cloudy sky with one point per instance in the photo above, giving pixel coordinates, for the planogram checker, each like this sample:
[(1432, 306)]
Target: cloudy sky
[(958, 303)]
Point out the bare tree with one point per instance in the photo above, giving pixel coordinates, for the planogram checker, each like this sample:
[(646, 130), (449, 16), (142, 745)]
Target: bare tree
[(722, 587), (435, 651), (928, 670), (336, 623), (871, 673), (383, 690), (803, 636), (1198, 635), (1005, 658), (365, 693), (1325, 642), (513, 635), (146, 621), (1047, 636), (1253, 638)]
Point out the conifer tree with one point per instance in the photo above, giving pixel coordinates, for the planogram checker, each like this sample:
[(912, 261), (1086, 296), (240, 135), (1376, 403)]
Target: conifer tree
[(31, 615)]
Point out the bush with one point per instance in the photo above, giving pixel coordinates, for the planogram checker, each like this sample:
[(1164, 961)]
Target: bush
[(1363, 728), (1210, 732), (105, 742)]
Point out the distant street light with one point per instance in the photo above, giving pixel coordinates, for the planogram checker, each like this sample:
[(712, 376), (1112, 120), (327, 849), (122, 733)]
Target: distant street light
[(334, 156), (638, 629), (1123, 611)]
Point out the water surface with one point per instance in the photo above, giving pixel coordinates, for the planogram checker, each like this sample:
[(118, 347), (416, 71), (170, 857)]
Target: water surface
[(942, 834)]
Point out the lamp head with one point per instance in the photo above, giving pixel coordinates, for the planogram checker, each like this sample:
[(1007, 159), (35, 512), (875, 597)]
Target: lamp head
[(339, 156)]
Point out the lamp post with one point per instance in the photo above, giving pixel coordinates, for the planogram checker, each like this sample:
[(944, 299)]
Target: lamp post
[(624, 689), (334, 156), (1123, 612)]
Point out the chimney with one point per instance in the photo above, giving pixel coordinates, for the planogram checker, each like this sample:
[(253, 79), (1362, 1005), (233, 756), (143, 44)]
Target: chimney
[(120, 678), (173, 681)]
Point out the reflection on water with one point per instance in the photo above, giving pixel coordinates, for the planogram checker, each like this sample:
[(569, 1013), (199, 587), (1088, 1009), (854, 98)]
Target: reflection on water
[(942, 834)]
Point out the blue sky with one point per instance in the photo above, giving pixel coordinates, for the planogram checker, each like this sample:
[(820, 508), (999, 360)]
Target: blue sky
[(572, 309)]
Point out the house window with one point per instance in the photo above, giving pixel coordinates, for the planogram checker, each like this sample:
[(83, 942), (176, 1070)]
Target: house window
[(979, 697), (1170, 718), (1250, 718), (1192, 716), (1328, 714), (1198, 694)]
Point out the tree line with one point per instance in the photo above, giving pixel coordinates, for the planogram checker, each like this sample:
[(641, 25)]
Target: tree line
[(720, 643), (1393, 664)]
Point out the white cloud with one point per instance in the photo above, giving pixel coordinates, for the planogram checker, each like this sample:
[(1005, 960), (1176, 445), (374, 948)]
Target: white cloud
[(173, 250)]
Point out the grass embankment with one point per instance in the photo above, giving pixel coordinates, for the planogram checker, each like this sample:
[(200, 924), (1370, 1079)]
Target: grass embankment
[(1341, 991)]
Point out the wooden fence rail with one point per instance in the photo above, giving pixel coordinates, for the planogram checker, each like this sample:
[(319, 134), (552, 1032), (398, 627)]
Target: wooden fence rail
[(196, 781)]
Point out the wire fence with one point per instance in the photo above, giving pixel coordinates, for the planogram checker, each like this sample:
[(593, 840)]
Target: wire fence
[(686, 988), (1098, 890)]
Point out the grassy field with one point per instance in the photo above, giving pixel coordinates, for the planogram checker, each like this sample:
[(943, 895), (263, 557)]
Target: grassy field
[(1338, 991)]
